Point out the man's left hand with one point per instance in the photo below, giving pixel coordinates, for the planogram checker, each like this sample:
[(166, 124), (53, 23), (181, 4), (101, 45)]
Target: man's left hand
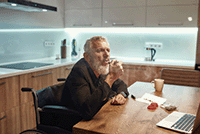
[(118, 100)]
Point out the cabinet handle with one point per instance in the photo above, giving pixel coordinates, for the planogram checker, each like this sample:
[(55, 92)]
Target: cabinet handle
[(42, 74), (3, 117), (82, 25), (170, 23), (2, 83), (68, 68), (122, 24)]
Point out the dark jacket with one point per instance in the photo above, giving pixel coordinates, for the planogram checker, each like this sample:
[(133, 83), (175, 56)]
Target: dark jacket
[(86, 93)]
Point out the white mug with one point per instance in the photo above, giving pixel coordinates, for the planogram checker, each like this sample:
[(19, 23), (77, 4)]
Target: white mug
[(158, 84)]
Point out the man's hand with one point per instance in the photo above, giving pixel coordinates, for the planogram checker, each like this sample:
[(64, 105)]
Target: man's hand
[(115, 71), (118, 100)]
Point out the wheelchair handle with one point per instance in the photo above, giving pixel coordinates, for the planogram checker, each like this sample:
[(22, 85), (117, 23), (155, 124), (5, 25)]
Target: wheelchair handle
[(61, 79), (26, 89)]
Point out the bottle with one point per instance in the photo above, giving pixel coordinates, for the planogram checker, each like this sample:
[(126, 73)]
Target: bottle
[(74, 53), (63, 49)]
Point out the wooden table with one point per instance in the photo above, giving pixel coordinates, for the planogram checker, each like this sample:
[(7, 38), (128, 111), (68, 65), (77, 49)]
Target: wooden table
[(134, 117)]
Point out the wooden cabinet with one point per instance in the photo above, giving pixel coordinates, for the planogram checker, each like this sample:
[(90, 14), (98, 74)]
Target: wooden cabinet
[(61, 72), (3, 125), (10, 121), (133, 73), (125, 76), (37, 81), (16, 107), (28, 119), (2, 95), (13, 125), (9, 103)]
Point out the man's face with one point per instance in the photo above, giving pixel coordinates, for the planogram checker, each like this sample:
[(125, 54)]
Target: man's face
[(100, 57)]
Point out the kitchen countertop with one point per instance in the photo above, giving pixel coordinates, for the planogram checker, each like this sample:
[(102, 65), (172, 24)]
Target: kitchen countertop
[(62, 62), (56, 63), (159, 62)]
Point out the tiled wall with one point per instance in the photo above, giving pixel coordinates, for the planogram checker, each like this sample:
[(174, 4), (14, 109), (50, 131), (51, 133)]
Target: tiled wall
[(24, 45)]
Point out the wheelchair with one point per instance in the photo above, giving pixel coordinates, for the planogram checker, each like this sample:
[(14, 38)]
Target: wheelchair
[(51, 117)]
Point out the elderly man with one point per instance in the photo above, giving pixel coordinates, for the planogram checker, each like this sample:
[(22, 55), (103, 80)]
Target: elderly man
[(94, 80)]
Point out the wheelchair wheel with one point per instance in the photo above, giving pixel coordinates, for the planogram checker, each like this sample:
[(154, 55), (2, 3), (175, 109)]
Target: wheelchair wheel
[(33, 131)]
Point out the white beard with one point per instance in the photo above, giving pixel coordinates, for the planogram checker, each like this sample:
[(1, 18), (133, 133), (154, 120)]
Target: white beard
[(99, 68)]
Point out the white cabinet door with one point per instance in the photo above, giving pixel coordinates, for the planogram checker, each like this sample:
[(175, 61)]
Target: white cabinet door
[(129, 17), (123, 3), (82, 4), (171, 2), (172, 16), (83, 18)]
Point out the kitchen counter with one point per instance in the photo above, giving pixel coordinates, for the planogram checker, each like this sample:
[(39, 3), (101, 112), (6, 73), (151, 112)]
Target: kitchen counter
[(62, 62), (159, 62), (55, 63)]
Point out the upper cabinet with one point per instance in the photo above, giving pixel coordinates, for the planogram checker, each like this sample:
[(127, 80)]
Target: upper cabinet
[(105, 13), (15, 19), (83, 13), (172, 13), (171, 2), (131, 13), (124, 17), (82, 4), (126, 13), (123, 3), (83, 18)]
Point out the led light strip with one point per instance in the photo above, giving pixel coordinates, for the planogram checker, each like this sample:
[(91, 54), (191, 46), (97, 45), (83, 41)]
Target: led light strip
[(30, 30), (132, 30), (112, 30)]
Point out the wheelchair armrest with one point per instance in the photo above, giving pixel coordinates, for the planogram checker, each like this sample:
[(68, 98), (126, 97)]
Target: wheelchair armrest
[(59, 110), (61, 79)]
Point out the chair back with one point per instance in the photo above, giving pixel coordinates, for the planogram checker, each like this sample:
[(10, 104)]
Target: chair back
[(181, 77), (50, 95)]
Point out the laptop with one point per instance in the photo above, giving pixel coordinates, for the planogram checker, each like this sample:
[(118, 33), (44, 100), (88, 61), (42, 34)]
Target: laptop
[(181, 122)]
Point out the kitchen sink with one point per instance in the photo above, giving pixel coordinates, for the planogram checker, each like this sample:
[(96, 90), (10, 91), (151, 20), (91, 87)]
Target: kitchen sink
[(25, 65)]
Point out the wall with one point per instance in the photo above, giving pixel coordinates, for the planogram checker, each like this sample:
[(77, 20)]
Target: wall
[(18, 45), (27, 44), (178, 43)]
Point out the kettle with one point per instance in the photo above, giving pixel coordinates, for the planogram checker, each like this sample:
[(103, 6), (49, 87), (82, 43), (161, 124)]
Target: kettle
[(150, 54)]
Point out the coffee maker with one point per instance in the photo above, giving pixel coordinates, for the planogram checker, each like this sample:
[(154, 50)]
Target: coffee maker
[(149, 54)]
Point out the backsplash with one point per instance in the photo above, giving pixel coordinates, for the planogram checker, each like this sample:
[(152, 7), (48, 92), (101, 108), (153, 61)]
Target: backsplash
[(17, 45), (27, 45), (178, 43)]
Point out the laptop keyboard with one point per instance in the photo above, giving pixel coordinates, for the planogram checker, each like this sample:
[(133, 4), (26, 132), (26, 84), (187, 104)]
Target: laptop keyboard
[(185, 123)]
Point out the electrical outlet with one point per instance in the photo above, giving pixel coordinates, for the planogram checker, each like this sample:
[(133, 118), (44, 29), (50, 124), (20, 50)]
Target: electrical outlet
[(49, 43), (153, 45)]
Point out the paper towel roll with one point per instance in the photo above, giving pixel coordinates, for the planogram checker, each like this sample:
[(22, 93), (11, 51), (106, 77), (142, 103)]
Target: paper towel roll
[(68, 51)]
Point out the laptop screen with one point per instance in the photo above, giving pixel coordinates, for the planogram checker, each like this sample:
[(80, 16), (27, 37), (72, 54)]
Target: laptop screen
[(197, 120)]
